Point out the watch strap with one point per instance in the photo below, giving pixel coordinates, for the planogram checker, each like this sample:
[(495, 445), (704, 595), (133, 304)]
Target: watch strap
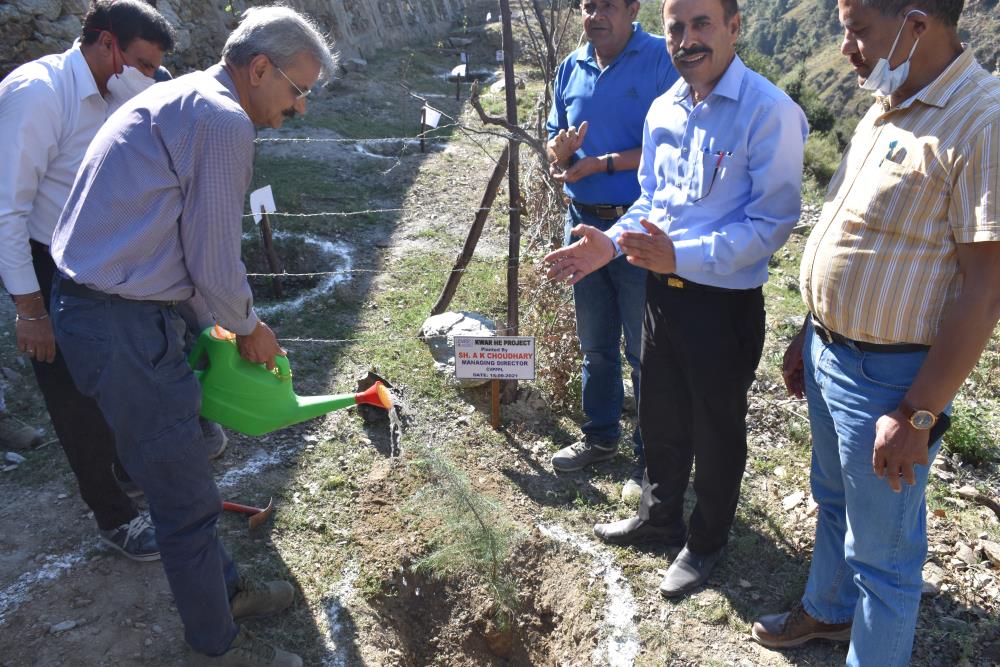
[(610, 168)]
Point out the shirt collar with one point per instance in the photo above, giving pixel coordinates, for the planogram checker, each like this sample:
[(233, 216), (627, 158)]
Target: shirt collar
[(219, 73), (939, 91), (85, 84), (728, 86), (586, 52)]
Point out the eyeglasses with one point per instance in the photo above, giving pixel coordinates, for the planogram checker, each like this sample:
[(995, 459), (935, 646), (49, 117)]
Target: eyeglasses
[(300, 93)]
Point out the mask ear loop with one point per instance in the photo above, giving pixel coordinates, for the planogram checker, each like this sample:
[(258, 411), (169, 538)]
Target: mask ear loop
[(900, 34)]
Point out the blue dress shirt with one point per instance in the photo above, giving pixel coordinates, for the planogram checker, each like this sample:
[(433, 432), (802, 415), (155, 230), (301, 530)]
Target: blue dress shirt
[(722, 177), (615, 102)]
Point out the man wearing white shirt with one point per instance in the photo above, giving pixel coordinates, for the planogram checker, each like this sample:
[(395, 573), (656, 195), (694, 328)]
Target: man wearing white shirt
[(50, 109)]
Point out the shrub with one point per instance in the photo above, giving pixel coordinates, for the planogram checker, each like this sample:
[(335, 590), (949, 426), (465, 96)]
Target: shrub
[(969, 437)]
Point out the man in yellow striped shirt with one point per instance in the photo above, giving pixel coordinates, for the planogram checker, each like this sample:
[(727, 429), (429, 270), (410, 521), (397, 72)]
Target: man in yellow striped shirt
[(902, 279)]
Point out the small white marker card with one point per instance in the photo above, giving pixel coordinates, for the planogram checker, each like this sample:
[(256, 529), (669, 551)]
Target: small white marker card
[(499, 56), (431, 116), (489, 16), (459, 70), (464, 57), (262, 197), (498, 358)]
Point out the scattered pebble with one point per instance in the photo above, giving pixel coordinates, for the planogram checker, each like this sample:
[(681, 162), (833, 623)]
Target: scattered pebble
[(62, 627)]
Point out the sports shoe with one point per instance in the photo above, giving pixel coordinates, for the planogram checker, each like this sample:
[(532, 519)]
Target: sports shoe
[(796, 627), (688, 571), (15, 434), (215, 438), (135, 539), (582, 453), (260, 598), (250, 651)]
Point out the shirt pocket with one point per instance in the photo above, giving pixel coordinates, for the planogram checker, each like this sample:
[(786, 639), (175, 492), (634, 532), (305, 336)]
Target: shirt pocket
[(720, 179), (883, 195)]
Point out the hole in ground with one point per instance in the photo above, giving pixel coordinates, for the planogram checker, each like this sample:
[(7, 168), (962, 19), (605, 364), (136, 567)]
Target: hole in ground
[(451, 622)]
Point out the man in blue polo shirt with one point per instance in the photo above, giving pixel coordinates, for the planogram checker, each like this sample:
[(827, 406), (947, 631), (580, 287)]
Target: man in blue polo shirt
[(602, 93)]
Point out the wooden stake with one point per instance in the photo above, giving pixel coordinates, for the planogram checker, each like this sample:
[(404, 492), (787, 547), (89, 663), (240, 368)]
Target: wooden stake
[(272, 257), (423, 126), (473, 237), (513, 186), (495, 403)]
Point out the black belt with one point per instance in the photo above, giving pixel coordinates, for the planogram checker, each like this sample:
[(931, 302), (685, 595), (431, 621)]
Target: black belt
[(830, 337), (676, 282), (602, 211), (70, 288)]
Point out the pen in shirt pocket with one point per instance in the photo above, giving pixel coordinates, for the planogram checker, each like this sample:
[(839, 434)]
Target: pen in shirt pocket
[(892, 155)]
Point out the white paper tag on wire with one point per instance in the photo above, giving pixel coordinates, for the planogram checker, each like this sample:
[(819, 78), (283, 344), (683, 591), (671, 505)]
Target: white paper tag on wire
[(262, 197), (463, 57), (489, 16), (431, 116), (499, 56), (459, 70)]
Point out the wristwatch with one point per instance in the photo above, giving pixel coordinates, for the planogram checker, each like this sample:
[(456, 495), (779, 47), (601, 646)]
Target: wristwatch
[(610, 164), (922, 420)]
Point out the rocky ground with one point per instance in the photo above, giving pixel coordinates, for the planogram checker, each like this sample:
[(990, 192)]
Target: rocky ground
[(354, 521)]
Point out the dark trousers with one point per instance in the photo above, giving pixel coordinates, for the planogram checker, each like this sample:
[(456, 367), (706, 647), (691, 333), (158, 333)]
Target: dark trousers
[(83, 433), (700, 350), (129, 355)]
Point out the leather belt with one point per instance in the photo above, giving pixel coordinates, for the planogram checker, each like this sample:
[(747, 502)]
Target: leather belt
[(602, 211), (676, 282), (70, 288), (830, 337)]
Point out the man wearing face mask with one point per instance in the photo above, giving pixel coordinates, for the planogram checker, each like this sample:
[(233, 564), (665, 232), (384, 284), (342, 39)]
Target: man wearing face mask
[(50, 109), (130, 245), (720, 175), (602, 92), (902, 279)]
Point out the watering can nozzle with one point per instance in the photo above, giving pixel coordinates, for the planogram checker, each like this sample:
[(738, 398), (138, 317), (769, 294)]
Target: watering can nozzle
[(376, 395)]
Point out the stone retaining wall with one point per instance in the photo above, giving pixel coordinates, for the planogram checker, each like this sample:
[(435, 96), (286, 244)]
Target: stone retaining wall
[(33, 28)]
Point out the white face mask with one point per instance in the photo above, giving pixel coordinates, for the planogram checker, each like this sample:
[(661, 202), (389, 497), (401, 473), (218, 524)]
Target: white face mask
[(123, 87), (883, 80)]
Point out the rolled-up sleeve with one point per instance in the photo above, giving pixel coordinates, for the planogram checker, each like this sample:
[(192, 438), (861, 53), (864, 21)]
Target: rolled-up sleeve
[(974, 207), (211, 224), (30, 125)]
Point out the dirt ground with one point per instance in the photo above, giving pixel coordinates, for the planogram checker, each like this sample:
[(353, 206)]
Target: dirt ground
[(346, 531)]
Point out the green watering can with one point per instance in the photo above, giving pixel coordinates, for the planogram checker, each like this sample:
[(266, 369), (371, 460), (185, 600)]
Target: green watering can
[(248, 398)]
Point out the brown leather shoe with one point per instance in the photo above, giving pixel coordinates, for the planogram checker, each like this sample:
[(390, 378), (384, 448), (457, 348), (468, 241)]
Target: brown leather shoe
[(796, 627)]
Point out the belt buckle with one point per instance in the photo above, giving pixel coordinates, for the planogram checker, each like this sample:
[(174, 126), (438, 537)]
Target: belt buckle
[(673, 281)]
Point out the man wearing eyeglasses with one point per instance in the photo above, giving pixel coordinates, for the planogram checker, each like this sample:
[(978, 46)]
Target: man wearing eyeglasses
[(602, 92), (155, 214), (720, 175)]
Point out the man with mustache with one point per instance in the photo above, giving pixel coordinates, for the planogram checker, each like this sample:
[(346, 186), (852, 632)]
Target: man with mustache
[(50, 110), (156, 213), (720, 174), (902, 279), (602, 92)]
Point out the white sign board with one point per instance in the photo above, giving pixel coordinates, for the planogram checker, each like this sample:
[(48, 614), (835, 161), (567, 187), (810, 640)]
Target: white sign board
[(464, 57), (431, 116), (498, 358), (499, 56), (459, 70), (262, 198)]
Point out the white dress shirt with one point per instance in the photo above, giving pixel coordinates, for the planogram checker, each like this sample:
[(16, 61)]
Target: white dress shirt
[(50, 110)]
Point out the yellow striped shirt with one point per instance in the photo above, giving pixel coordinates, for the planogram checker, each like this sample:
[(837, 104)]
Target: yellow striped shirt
[(881, 264)]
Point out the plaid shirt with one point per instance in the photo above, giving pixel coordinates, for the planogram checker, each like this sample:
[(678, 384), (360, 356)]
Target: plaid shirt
[(881, 265)]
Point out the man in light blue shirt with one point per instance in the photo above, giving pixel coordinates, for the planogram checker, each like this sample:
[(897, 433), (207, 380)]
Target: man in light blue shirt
[(602, 92), (720, 175)]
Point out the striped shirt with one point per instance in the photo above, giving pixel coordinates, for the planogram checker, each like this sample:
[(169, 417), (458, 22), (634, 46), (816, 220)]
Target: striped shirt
[(881, 265), (156, 209)]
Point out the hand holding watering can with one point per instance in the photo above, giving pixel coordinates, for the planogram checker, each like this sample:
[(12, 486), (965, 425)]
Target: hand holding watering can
[(260, 347)]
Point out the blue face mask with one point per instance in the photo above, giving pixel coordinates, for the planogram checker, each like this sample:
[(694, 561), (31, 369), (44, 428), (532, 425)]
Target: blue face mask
[(883, 80)]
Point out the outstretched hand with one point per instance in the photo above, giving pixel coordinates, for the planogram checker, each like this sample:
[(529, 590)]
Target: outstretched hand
[(652, 250), (572, 263)]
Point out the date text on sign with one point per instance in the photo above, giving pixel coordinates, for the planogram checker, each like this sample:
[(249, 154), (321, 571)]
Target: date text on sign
[(499, 358)]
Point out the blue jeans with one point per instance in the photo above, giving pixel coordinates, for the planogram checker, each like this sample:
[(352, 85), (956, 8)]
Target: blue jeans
[(128, 355), (608, 302), (870, 541)]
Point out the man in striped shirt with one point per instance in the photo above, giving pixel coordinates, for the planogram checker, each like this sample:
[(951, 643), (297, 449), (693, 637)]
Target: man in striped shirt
[(902, 279)]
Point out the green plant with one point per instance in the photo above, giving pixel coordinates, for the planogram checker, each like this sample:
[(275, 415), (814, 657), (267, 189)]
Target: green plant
[(472, 535), (969, 437), (822, 156)]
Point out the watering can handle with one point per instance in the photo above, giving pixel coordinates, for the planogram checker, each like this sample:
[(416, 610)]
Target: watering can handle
[(284, 370)]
